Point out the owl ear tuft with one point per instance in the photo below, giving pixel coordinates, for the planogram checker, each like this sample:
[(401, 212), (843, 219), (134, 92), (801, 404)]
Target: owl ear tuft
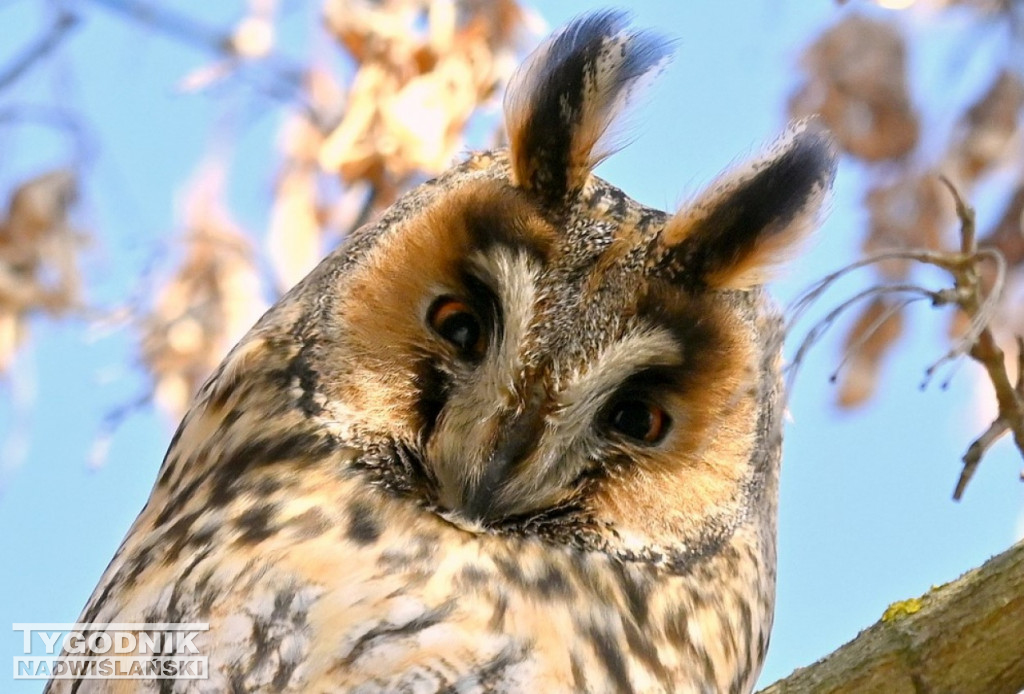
[(561, 101), (751, 219)]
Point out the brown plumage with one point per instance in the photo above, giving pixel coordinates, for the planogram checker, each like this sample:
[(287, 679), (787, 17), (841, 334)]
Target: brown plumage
[(521, 434)]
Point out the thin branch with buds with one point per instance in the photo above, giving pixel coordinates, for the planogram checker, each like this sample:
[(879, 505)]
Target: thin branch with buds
[(985, 351), (969, 295)]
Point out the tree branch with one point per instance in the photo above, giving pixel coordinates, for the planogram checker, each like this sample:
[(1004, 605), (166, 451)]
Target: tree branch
[(278, 77), (986, 351), (38, 50), (967, 293), (966, 637)]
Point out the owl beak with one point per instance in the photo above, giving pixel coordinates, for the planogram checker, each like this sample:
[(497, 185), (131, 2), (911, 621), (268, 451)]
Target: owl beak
[(516, 437)]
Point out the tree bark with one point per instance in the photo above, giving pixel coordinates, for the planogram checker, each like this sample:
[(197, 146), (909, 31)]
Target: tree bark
[(965, 637)]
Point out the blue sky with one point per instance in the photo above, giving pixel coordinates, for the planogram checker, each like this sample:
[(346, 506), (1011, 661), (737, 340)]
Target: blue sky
[(866, 515)]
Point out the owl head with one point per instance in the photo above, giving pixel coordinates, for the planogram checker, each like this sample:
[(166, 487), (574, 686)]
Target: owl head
[(517, 346)]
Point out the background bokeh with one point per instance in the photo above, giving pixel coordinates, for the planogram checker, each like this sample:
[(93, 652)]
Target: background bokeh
[(166, 136)]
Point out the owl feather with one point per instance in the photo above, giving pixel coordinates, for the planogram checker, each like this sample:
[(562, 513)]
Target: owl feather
[(521, 433)]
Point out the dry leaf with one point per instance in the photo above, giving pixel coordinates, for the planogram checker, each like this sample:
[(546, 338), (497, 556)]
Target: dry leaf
[(912, 212), (984, 136), (874, 332), (422, 69), (295, 235), (207, 305), (857, 82), (39, 252), (1008, 233), (293, 240)]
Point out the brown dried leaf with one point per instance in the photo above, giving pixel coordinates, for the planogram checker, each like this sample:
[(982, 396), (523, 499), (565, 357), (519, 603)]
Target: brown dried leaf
[(857, 82), (875, 331), (984, 135), (39, 252), (422, 68), (293, 239), (913, 212), (209, 302), (12, 333), (352, 148), (1008, 233)]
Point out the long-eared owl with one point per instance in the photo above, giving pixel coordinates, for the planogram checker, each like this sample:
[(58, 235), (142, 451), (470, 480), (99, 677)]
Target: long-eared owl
[(521, 434)]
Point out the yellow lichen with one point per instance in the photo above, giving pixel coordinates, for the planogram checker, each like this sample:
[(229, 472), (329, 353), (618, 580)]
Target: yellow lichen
[(902, 609)]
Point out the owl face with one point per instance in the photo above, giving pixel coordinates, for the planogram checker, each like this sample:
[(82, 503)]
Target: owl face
[(552, 357), (520, 434)]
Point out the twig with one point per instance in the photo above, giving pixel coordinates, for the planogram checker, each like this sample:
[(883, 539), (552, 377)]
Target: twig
[(109, 425), (967, 293), (874, 327), (981, 308), (941, 260), (171, 23), (38, 50), (819, 329), (284, 80), (973, 455), (985, 351)]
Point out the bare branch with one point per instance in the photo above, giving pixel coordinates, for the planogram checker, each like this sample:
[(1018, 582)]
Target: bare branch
[(871, 330), (967, 293), (819, 329), (981, 308), (962, 637), (984, 349), (167, 21), (38, 50), (278, 77), (977, 449), (968, 235)]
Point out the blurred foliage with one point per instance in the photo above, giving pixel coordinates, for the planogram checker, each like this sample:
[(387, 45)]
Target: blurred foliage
[(857, 75), (419, 74), (419, 71), (39, 250)]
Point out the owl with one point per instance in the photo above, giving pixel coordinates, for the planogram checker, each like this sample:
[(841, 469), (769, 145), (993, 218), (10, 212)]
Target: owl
[(522, 434)]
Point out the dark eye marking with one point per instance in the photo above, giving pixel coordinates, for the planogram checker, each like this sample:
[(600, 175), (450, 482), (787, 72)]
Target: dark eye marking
[(636, 412), (458, 323), (433, 385), (470, 320), (638, 419)]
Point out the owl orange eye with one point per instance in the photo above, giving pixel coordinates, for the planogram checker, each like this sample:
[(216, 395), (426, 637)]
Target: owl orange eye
[(456, 322), (640, 420)]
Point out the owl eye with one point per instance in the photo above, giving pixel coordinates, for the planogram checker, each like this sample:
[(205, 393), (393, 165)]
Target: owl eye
[(459, 324), (640, 420)]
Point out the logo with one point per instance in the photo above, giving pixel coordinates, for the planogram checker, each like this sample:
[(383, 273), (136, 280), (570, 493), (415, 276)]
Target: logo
[(111, 651)]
